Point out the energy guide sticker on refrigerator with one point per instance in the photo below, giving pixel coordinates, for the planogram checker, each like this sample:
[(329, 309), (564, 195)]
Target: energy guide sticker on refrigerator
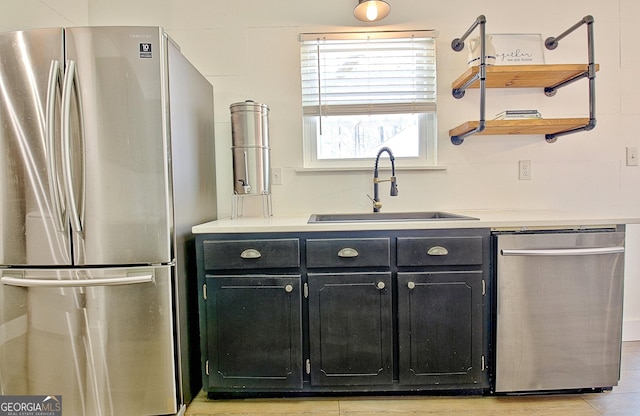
[(106, 137)]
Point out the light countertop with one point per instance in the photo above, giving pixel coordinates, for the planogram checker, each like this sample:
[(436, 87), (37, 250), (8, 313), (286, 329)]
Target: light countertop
[(494, 219)]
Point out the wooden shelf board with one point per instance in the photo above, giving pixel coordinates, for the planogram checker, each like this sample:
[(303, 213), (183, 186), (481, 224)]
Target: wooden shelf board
[(523, 76), (524, 126)]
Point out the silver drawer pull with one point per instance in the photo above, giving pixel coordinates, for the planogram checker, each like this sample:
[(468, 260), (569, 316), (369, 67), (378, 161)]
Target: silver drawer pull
[(411, 285), (380, 285), (288, 288), (250, 253), (348, 252), (437, 251)]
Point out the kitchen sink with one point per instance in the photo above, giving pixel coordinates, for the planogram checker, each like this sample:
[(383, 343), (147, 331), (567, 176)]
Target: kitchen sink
[(388, 216)]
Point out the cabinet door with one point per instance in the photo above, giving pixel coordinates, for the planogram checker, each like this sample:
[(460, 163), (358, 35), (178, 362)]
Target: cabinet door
[(350, 329), (254, 328), (440, 327)]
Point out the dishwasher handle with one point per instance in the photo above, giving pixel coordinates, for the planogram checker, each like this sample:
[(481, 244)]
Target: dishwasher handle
[(562, 251)]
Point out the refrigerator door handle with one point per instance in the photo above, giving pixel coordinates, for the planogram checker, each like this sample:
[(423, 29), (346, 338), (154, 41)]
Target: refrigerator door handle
[(68, 87), (109, 281), (54, 186)]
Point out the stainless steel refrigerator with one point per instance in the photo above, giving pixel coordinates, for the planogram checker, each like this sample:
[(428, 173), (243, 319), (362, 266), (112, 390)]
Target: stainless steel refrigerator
[(106, 142)]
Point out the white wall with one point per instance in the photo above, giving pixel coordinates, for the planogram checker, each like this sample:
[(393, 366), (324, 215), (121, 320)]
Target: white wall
[(28, 14), (249, 50)]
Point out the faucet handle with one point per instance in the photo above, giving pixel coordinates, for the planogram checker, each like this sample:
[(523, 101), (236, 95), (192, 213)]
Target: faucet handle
[(376, 204)]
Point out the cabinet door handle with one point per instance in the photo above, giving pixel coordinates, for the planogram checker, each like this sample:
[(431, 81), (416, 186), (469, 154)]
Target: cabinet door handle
[(411, 285), (250, 253), (380, 285), (437, 251), (288, 288), (348, 252)]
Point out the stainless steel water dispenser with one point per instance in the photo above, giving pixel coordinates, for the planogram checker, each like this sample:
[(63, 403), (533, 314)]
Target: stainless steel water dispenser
[(251, 154), (250, 139)]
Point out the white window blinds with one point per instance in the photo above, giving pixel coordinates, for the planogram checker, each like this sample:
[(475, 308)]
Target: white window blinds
[(368, 73)]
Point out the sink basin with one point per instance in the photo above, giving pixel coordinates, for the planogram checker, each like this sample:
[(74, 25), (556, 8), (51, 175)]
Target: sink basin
[(388, 216)]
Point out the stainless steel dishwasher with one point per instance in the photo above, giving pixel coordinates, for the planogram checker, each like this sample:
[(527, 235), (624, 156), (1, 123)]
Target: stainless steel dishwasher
[(559, 310)]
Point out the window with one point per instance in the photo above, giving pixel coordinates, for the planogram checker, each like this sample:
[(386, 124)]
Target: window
[(364, 91)]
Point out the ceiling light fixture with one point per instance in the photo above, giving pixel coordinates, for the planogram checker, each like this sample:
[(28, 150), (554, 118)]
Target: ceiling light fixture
[(371, 10)]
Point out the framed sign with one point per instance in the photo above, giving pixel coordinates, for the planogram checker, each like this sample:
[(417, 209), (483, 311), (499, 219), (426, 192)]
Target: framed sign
[(518, 49)]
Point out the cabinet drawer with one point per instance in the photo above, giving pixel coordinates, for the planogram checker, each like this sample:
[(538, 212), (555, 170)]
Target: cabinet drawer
[(348, 252), (439, 251), (251, 254)]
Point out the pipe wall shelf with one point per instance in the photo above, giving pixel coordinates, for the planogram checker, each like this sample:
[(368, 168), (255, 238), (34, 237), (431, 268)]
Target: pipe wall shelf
[(550, 77), (521, 126), (523, 76)]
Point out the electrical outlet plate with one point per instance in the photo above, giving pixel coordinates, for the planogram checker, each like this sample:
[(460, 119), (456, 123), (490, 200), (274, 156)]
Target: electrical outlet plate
[(632, 156), (524, 170), (276, 176)]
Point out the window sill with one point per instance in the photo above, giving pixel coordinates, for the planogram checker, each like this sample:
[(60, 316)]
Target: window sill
[(370, 169)]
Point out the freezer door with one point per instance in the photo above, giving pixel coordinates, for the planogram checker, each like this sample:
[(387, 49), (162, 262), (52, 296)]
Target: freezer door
[(33, 225), (119, 163), (100, 338)]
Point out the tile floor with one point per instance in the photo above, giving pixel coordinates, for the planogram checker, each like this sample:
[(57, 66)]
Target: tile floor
[(623, 400)]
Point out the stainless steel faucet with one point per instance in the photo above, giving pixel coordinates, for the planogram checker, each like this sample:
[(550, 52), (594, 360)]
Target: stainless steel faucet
[(394, 187)]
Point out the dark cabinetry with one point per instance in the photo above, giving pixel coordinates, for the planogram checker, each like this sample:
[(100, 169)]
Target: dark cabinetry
[(256, 337), (345, 311), (350, 329), (350, 312), (250, 321), (440, 328), (441, 310)]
